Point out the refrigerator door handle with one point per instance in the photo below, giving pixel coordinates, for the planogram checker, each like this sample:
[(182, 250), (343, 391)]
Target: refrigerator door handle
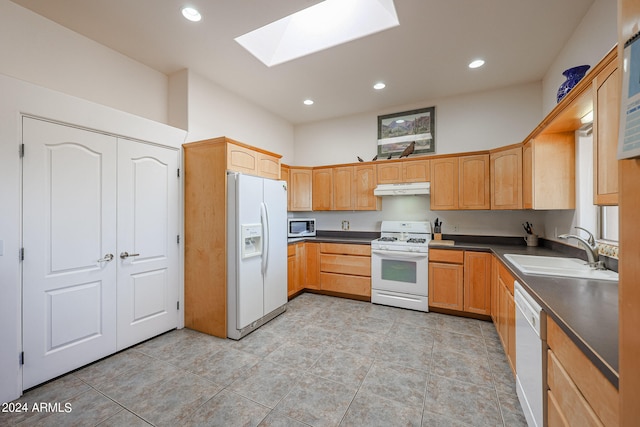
[(264, 218)]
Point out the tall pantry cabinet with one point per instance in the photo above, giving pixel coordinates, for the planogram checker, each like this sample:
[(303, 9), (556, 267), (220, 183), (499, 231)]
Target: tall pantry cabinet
[(205, 261)]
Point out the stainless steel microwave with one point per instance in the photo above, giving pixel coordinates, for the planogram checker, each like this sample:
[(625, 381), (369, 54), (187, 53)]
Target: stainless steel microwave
[(301, 227)]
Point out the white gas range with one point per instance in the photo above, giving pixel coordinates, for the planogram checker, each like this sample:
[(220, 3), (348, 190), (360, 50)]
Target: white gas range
[(400, 265)]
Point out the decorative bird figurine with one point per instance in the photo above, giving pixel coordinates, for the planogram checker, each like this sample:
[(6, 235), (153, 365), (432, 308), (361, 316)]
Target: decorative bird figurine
[(375, 158), (390, 155), (409, 150), (359, 159)]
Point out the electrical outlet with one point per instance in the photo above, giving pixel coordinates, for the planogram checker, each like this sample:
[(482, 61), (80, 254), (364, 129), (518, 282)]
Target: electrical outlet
[(454, 228), (345, 225)]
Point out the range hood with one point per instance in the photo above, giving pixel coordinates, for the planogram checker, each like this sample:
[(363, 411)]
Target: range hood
[(407, 189)]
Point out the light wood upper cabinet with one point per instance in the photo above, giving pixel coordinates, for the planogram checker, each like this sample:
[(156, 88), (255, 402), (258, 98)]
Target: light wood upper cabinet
[(460, 182), (416, 170), (474, 191), (506, 178), (606, 114), (395, 172), (548, 172), (444, 183), (252, 161), (300, 189), (322, 189), (343, 188), (389, 172), (365, 183)]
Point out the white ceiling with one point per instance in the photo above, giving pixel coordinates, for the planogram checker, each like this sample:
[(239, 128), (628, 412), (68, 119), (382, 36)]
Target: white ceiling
[(424, 58)]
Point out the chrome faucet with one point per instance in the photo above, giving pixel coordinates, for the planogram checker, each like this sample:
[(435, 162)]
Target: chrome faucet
[(590, 247)]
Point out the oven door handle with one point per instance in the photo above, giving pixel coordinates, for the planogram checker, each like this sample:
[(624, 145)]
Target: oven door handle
[(400, 255)]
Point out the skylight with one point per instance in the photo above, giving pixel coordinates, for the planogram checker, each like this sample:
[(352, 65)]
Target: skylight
[(321, 26)]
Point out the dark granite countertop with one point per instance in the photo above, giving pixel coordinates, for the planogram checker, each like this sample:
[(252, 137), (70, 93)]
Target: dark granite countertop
[(586, 310), (352, 237)]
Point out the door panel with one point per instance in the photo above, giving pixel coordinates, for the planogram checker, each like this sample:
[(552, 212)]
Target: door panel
[(275, 278), (69, 224), (147, 230)]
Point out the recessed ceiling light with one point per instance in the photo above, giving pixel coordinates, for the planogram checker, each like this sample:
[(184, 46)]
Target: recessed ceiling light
[(191, 14), (308, 102), (321, 26), (477, 63), (379, 86)]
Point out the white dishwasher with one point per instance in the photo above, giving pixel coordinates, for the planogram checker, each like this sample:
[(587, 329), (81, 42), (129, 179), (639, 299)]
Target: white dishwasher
[(529, 355)]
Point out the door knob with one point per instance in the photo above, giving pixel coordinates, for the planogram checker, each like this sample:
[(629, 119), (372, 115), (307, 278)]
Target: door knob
[(125, 255), (106, 258)]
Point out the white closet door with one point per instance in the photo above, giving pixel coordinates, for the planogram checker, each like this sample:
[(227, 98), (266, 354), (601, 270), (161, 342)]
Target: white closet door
[(148, 227), (69, 234)]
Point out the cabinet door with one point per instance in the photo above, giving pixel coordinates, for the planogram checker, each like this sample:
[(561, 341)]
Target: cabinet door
[(527, 175), (511, 330), (322, 189), (365, 183), (268, 166), (300, 189), (343, 188), (416, 171), (446, 285), (549, 171), (444, 183), (474, 182), (285, 176), (506, 179), (291, 275), (312, 265), (606, 109), (242, 159), (299, 273), (494, 290), (477, 282), (389, 173)]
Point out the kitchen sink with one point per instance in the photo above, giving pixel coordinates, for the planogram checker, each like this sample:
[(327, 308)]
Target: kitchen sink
[(556, 266)]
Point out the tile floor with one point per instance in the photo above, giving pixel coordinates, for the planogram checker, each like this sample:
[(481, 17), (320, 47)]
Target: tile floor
[(325, 362)]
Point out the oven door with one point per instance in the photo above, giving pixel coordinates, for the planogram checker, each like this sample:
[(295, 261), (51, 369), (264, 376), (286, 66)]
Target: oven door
[(404, 272)]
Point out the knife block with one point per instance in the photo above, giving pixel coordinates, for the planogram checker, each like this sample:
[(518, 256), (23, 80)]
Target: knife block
[(437, 236)]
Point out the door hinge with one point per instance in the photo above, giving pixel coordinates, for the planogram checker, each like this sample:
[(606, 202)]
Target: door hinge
[(177, 305), (178, 172), (178, 239), (21, 150), (21, 358), (21, 254)]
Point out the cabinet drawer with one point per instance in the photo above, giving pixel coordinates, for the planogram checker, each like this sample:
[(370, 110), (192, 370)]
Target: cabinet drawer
[(448, 256), (347, 249), (600, 394), (354, 285), (345, 264), (506, 277), (567, 399)]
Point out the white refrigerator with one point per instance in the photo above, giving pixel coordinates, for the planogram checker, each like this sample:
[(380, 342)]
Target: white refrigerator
[(257, 252)]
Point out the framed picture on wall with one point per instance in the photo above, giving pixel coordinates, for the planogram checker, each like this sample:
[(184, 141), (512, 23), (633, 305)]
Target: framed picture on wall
[(397, 131)]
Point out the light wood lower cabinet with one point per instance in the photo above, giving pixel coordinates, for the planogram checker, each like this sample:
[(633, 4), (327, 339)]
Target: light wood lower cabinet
[(446, 279), (505, 312), (345, 268), (578, 395), (295, 268), (312, 265), (460, 280)]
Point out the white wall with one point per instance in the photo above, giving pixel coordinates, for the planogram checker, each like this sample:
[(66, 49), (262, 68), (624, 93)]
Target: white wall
[(589, 43), (40, 51), (214, 111), (18, 98), (477, 121)]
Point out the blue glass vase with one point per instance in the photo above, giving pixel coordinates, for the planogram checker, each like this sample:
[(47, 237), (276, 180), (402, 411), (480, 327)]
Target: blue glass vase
[(573, 75)]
